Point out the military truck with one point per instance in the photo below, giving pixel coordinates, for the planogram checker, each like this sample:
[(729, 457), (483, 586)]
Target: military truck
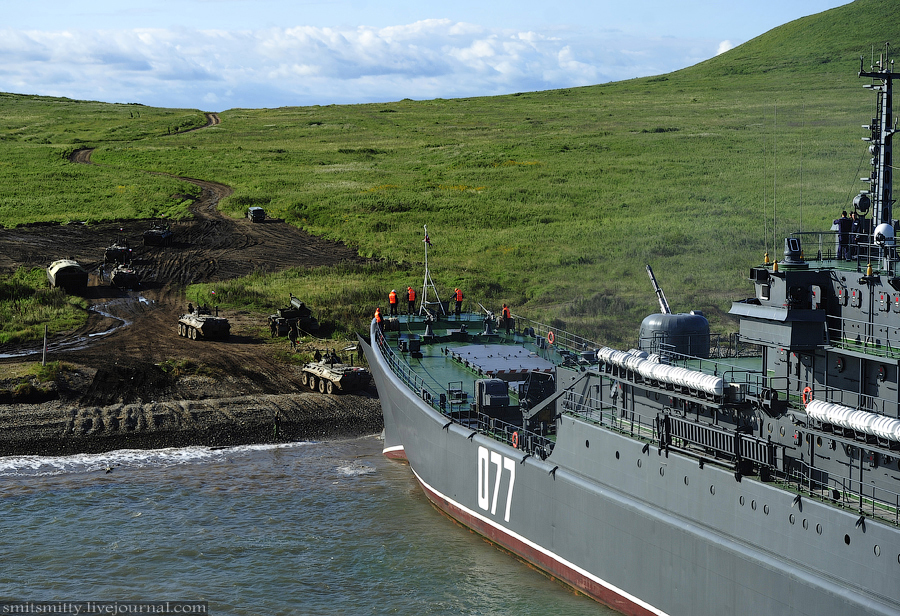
[(67, 274), (331, 376), (298, 315), (118, 252), (159, 234), (201, 323), (124, 277)]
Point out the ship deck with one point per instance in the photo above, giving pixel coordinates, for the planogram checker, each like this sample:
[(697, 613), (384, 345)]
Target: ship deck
[(448, 355)]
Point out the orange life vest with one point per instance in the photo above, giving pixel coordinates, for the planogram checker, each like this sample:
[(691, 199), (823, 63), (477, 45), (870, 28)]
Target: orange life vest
[(392, 297), (412, 294), (459, 295)]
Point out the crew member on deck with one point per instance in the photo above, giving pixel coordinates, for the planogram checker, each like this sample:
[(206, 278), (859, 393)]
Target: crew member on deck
[(411, 294), (844, 224), (392, 300), (507, 318), (378, 319), (459, 298)]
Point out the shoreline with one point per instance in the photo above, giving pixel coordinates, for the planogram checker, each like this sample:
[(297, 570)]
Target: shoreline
[(58, 427)]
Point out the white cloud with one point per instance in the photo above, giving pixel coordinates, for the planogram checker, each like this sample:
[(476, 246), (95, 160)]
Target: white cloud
[(723, 47), (310, 65)]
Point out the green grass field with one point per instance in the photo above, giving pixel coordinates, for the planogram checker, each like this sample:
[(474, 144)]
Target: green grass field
[(551, 201)]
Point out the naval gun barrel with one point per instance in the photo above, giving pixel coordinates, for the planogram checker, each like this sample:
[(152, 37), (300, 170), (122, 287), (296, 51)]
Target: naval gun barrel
[(663, 303)]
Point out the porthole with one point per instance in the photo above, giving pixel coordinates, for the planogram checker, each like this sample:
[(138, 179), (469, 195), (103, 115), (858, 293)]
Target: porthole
[(818, 441), (769, 427), (819, 528), (712, 490), (741, 501), (766, 509), (781, 430), (753, 505), (877, 550), (662, 471), (847, 539), (587, 444), (639, 463), (617, 455), (791, 518), (686, 481), (805, 524)]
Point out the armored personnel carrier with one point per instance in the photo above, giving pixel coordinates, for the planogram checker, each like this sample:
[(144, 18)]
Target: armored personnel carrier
[(118, 252), (159, 234), (67, 274), (330, 376), (124, 277), (298, 315), (200, 322)]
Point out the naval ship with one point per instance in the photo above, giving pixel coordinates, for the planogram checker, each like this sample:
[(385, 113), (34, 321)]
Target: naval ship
[(695, 474)]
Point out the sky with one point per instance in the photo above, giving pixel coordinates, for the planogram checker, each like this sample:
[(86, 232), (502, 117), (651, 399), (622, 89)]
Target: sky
[(224, 54)]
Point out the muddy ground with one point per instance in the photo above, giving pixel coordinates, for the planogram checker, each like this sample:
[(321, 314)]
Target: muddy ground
[(122, 391)]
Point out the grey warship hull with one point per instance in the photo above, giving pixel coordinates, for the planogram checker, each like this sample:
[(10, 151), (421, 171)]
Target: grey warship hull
[(696, 482), (639, 528)]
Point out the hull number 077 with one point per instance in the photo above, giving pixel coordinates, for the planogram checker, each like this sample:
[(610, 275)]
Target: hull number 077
[(491, 467)]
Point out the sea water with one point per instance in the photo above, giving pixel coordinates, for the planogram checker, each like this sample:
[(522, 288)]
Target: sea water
[(329, 527)]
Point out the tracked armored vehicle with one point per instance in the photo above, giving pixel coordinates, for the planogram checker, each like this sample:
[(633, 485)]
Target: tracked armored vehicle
[(118, 252), (331, 376), (201, 323), (298, 315), (159, 234), (67, 274), (124, 277)]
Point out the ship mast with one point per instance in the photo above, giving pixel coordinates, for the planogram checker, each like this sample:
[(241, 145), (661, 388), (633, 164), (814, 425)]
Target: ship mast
[(880, 142)]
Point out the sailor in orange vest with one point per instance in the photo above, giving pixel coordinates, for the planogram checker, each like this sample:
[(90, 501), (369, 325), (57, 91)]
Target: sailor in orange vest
[(412, 299), (392, 299), (378, 319), (458, 302), (507, 317)]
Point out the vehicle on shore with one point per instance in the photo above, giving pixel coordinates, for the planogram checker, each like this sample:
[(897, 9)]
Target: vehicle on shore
[(752, 474), (256, 214), (117, 252), (124, 277), (331, 375), (298, 316), (159, 234), (201, 323), (69, 275)]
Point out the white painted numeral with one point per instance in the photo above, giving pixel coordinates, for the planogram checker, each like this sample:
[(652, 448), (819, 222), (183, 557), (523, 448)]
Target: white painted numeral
[(487, 459)]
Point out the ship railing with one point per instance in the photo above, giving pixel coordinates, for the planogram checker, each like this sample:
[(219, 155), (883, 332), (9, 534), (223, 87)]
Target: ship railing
[(844, 492), (611, 415), (545, 335), (720, 346), (823, 246), (864, 336)]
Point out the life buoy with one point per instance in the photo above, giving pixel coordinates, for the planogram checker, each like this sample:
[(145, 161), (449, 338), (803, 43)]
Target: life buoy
[(515, 440), (807, 396), (550, 337)]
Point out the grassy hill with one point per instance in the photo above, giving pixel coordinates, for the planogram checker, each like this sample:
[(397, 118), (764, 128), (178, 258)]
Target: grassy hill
[(552, 201)]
